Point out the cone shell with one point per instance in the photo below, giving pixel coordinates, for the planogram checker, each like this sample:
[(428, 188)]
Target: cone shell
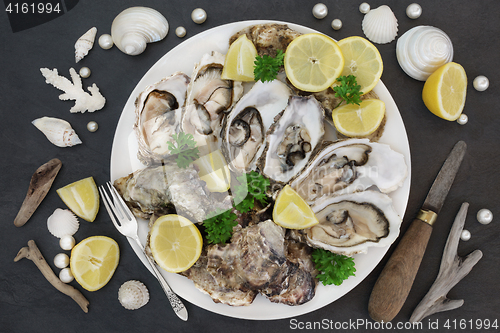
[(62, 222), (134, 27), (84, 44), (58, 131), (380, 25), (423, 49), (133, 295)]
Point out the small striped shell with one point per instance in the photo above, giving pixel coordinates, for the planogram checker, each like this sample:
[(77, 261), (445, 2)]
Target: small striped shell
[(62, 222), (133, 295), (57, 131), (84, 44), (380, 25)]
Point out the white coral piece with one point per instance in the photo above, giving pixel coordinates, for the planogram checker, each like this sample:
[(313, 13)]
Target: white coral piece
[(84, 44), (74, 91), (62, 222), (133, 295)]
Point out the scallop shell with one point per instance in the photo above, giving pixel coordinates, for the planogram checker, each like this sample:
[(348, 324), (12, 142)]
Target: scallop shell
[(84, 44), (58, 131), (380, 25), (133, 295), (62, 222), (423, 49), (134, 27)]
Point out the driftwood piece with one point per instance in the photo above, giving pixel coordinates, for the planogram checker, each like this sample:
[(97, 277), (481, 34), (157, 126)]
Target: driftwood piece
[(453, 269), (33, 253), (41, 181)]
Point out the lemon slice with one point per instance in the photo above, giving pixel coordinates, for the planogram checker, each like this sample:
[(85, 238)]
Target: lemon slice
[(359, 120), (362, 60), (291, 211), (240, 60), (313, 62), (175, 243), (214, 171), (82, 198), (445, 90), (93, 261)]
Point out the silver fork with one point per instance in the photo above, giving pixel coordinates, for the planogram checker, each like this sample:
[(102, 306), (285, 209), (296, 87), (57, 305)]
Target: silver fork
[(127, 226)]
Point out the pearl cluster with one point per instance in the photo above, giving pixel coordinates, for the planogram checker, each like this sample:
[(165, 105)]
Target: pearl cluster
[(61, 260)]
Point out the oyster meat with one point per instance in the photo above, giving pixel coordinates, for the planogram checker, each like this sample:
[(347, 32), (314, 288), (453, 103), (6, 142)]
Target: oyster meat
[(157, 116), (348, 166), (293, 139)]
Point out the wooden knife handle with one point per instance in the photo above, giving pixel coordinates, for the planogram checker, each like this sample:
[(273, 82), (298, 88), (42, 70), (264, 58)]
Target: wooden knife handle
[(395, 281)]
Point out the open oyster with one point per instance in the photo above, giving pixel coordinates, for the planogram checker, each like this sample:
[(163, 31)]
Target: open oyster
[(293, 138), (349, 166), (249, 120), (157, 116)]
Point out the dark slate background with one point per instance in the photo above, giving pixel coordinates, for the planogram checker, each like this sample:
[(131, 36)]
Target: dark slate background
[(29, 304)]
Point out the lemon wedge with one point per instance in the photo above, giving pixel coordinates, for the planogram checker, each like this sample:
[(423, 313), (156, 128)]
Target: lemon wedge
[(291, 211), (359, 120), (93, 261), (175, 243), (82, 198), (239, 62), (214, 171), (363, 60), (445, 90), (313, 62)]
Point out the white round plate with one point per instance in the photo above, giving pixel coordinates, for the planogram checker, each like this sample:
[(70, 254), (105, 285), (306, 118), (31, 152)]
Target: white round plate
[(124, 161)]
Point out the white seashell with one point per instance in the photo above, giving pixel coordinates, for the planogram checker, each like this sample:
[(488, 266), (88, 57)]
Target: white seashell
[(62, 222), (134, 27), (423, 49), (84, 44), (380, 25), (58, 131), (133, 295)]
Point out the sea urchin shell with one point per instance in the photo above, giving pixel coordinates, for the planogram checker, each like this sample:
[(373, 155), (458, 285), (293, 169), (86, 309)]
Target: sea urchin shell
[(133, 295)]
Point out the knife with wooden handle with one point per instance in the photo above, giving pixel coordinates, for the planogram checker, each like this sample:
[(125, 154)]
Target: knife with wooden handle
[(395, 281)]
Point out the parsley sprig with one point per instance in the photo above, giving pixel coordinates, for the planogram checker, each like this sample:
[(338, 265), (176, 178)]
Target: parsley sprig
[(266, 68), (348, 90), (252, 186), (185, 148), (219, 226), (333, 268)]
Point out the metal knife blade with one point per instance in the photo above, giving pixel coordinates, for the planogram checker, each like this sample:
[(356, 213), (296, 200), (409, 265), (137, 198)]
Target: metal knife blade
[(442, 184)]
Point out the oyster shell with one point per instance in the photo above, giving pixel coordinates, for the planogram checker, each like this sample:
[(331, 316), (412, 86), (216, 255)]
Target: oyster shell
[(246, 125), (293, 138), (158, 115), (349, 166)]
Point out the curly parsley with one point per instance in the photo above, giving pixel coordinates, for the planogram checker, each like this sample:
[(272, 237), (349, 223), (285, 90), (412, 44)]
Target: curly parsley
[(184, 146), (333, 268), (219, 226), (252, 186), (348, 90), (266, 68)]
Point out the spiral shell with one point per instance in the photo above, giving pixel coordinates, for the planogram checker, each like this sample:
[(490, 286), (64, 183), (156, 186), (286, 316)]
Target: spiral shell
[(62, 222), (133, 295), (84, 44), (58, 131), (380, 25), (423, 49), (134, 27)]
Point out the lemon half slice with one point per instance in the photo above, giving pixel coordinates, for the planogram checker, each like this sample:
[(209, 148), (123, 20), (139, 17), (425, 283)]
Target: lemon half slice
[(214, 171), (239, 62), (359, 120), (291, 211), (82, 198)]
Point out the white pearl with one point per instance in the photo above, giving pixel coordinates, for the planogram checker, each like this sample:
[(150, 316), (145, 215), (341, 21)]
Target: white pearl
[(65, 275), (67, 242), (336, 24), (484, 216), (61, 260), (414, 11), (180, 32), (465, 236), (481, 83), (320, 10), (463, 119), (92, 126), (106, 41), (364, 8), (85, 72), (198, 16)]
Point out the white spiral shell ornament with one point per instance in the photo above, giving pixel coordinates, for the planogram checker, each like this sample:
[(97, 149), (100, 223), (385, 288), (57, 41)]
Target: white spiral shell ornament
[(58, 131), (134, 27), (62, 223), (133, 295), (423, 49), (84, 44), (380, 25)]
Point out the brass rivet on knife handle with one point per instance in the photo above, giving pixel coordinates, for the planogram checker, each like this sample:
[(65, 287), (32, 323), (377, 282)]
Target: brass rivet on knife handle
[(428, 216)]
